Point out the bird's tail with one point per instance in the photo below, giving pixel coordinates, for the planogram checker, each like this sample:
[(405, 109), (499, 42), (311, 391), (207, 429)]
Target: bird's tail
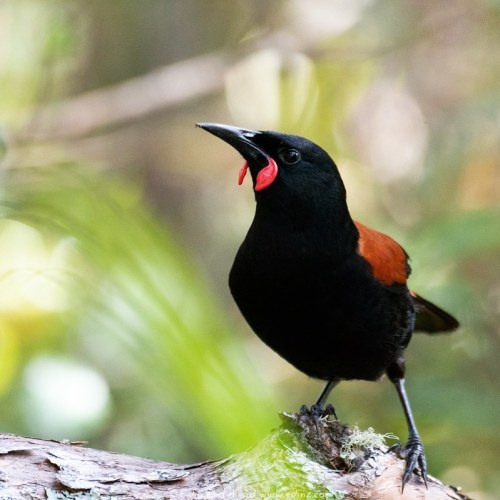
[(431, 318)]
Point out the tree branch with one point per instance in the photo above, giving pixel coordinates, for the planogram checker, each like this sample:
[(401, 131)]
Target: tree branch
[(129, 100), (304, 458)]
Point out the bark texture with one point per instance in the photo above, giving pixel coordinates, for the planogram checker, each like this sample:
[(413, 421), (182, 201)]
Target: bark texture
[(303, 458)]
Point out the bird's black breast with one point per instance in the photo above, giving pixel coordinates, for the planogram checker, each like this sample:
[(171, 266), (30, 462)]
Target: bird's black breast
[(328, 317)]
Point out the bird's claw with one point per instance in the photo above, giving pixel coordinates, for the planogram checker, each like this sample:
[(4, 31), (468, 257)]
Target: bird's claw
[(328, 411), (414, 456)]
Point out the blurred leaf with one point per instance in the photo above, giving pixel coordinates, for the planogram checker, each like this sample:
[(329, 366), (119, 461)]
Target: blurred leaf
[(458, 236), (9, 355), (137, 285)]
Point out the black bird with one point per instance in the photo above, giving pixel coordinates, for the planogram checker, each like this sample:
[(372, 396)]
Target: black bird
[(327, 293)]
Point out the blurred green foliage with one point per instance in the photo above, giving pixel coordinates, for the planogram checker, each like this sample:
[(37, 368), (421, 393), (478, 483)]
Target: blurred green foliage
[(136, 307), (120, 220)]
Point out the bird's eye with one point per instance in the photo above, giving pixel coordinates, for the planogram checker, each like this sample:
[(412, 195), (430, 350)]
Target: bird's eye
[(289, 156)]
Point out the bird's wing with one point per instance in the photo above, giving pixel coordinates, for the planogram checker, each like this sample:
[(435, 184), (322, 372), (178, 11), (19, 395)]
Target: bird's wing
[(390, 266), (387, 258)]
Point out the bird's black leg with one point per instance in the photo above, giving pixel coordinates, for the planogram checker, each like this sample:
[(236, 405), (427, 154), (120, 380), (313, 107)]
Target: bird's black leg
[(414, 450), (326, 392)]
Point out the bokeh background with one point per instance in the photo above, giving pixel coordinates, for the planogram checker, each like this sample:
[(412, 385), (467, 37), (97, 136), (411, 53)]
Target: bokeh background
[(120, 220)]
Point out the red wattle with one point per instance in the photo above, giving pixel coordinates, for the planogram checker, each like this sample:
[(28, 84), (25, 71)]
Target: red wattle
[(266, 175), (243, 172)]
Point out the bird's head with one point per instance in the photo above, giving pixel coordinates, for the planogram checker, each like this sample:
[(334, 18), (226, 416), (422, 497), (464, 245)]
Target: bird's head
[(282, 165)]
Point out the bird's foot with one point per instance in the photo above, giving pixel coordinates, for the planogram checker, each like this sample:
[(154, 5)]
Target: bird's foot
[(317, 412), (413, 454)]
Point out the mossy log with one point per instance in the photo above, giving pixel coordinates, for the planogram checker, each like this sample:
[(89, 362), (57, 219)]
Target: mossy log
[(303, 458)]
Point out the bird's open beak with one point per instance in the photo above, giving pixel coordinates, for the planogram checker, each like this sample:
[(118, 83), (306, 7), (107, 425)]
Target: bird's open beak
[(241, 140)]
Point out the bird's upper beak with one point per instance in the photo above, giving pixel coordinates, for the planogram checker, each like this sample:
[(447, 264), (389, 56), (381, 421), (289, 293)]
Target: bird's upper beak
[(239, 138), (242, 140)]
